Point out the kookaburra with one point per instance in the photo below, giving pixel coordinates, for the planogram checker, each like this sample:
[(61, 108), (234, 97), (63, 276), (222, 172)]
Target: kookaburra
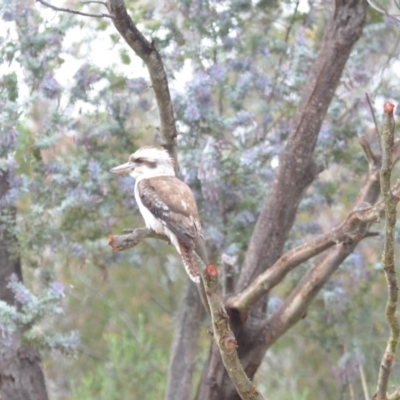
[(166, 203)]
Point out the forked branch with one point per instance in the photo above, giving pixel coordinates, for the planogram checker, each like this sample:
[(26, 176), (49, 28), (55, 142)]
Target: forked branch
[(296, 305), (365, 211)]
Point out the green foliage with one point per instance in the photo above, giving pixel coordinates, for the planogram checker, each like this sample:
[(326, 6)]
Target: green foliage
[(125, 58), (10, 83), (135, 368), (27, 317)]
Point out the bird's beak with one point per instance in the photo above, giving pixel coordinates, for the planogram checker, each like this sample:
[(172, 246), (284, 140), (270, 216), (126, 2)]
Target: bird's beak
[(123, 168)]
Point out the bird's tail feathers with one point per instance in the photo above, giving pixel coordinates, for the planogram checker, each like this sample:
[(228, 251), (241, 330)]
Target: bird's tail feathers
[(189, 262)]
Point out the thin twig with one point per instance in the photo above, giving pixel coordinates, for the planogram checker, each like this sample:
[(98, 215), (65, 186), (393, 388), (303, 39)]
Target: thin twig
[(103, 3), (69, 10), (372, 113), (161, 305), (379, 8), (363, 381)]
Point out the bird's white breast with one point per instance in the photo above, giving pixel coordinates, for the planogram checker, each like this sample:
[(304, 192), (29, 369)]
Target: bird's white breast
[(152, 222)]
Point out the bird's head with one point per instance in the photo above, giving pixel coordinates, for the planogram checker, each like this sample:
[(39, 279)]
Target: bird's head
[(147, 162)]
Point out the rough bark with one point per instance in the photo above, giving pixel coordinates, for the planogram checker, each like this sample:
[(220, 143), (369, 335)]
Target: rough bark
[(296, 172), (21, 376), (296, 165)]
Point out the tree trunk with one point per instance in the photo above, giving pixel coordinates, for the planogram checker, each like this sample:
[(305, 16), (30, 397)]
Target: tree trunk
[(21, 376), (296, 172), (183, 348)]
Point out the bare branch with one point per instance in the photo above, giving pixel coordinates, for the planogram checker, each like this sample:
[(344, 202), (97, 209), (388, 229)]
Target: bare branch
[(147, 51), (129, 240), (357, 221), (295, 306), (245, 300), (390, 201), (362, 213), (71, 11), (224, 337), (103, 3), (372, 113)]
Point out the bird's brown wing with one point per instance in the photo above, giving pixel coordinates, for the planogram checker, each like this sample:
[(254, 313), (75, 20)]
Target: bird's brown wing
[(172, 203)]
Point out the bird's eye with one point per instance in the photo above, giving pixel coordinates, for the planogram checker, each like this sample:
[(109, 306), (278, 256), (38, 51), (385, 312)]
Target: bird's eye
[(139, 160)]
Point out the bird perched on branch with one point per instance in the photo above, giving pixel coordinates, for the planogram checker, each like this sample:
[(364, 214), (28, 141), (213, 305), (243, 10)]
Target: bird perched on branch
[(166, 203)]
